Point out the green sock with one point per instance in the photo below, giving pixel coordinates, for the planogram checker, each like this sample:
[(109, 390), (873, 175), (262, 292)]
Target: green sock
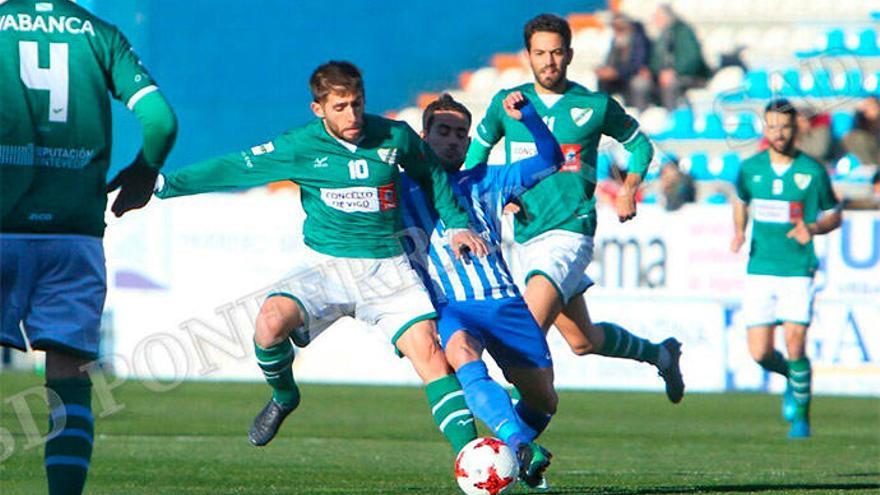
[(800, 378), (775, 363), (69, 450), (451, 413), (620, 343), (276, 362)]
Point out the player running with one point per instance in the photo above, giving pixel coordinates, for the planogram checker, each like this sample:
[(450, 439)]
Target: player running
[(478, 304), (57, 65), (556, 222), (346, 164), (791, 202)]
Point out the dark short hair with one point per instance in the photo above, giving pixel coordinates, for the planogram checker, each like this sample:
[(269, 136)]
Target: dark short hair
[(446, 103), (338, 76), (781, 105), (547, 23)]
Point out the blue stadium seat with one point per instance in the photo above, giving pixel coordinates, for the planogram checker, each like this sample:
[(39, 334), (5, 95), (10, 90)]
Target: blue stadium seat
[(745, 128), (868, 44), (823, 87), (730, 169), (841, 123), (603, 166), (791, 84), (758, 84), (835, 40), (846, 166), (714, 127), (699, 168), (716, 198), (852, 86), (681, 124)]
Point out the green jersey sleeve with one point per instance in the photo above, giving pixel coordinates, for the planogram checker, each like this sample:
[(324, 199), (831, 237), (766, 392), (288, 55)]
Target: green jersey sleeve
[(424, 167), (260, 165), (742, 190), (827, 199), (618, 124), (129, 79), (489, 131)]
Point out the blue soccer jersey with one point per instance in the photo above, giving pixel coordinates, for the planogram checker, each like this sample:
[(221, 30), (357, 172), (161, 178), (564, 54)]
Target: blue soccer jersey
[(482, 191)]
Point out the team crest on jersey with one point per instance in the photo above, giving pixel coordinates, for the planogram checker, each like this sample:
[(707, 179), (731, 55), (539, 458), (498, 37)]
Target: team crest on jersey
[(802, 180), (572, 154), (388, 155), (263, 149), (581, 116)]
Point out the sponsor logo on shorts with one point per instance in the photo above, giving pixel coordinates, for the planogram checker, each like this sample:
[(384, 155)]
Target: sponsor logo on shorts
[(361, 199), (572, 154)]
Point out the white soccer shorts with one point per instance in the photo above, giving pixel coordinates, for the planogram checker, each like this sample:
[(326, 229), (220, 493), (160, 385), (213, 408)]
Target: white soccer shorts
[(385, 292), (770, 300), (562, 257)]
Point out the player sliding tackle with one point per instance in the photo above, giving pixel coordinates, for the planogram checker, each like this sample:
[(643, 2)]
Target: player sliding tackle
[(556, 221), (792, 201), (478, 304), (346, 164)]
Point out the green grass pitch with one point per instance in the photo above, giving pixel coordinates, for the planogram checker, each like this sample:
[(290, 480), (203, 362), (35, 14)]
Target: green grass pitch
[(359, 440)]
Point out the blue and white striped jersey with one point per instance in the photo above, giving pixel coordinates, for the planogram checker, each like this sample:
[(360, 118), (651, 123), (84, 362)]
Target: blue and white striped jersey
[(482, 191)]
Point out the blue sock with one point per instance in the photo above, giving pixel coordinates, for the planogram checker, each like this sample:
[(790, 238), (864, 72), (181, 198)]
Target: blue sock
[(489, 402), (536, 420)]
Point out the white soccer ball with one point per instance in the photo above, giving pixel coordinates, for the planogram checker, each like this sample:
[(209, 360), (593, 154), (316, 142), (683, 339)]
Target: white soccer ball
[(486, 466)]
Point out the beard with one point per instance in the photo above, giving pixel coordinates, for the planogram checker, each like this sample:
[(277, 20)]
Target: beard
[(550, 81)]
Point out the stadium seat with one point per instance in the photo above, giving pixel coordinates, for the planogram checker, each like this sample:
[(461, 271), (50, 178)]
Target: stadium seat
[(714, 127), (729, 168), (697, 165), (822, 85), (835, 41), (841, 123), (745, 127), (845, 166), (758, 85), (681, 124), (868, 44)]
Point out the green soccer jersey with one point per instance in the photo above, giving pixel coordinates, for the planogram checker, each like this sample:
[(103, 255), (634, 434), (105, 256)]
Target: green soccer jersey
[(565, 199), (57, 64), (778, 199), (350, 193)]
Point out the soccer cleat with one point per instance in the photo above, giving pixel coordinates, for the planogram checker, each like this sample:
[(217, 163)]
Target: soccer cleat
[(789, 406), (533, 461), (266, 423), (672, 373), (800, 428)]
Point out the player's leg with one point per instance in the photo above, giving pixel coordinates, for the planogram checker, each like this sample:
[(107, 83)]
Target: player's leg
[(279, 315), (484, 396), (611, 340), (759, 313), (800, 378), (418, 342), (63, 318), (543, 300), (762, 349), (795, 308), (71, 423)]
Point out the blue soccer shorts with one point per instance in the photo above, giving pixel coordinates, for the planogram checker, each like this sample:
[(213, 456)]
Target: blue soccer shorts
[(54, 287), (504, 326)]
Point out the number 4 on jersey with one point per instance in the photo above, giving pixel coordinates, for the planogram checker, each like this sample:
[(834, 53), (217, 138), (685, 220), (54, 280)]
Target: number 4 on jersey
[(54, 79)]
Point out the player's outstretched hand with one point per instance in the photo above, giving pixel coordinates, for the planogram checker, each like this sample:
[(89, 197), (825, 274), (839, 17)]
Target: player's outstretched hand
[(135, 184), (737, 242), (625, 204), (801, 233), (513, 103), (467, 241)]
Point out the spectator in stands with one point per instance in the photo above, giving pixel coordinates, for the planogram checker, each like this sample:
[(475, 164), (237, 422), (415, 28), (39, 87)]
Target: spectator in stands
[(627, 57), (677, 187), (814, 133), (864, 139), (676, 58), (875, 181)]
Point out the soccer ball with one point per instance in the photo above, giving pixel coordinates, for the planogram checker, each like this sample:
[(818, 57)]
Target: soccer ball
[(486, 466)]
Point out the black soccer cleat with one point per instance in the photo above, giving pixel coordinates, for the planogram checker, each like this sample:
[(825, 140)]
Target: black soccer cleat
[(266, 424), (672, 373), (533, 461)]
